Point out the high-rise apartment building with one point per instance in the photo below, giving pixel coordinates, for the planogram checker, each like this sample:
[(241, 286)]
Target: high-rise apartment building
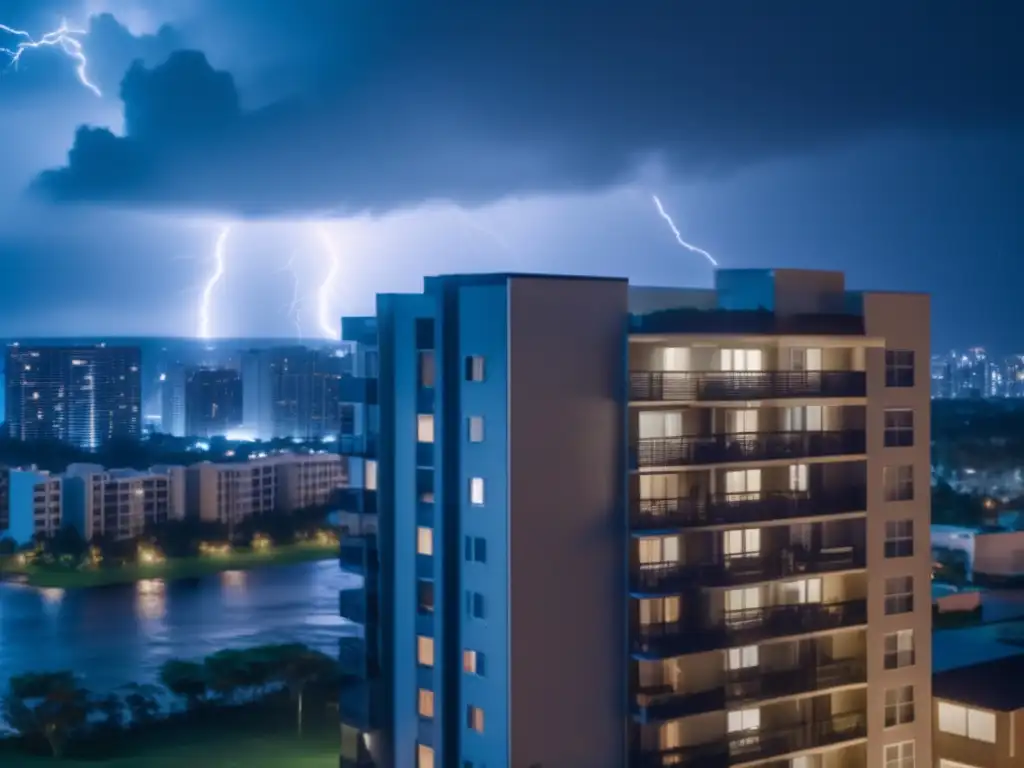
[(80, 395), (621, 526), (213, 401)]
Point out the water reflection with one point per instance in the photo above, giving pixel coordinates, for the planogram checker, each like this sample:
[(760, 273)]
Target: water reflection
[(121, 634), (150, 599)]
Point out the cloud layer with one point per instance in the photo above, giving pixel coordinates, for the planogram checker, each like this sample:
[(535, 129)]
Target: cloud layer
[(397, 104)]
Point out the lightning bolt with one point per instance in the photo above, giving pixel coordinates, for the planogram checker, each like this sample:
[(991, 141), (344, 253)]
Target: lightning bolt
[(295, 304), (218, 272), (64, 38), (679, 237), (325, 293)]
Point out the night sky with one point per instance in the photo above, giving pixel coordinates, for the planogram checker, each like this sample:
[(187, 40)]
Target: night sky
[(882, 138)]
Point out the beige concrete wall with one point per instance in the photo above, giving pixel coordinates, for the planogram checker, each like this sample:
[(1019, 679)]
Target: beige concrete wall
[(903, 321), (999, 554)]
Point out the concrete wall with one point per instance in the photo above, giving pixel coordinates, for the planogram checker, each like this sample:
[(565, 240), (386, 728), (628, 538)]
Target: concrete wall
[(903, 321), (999, 554), (567, 523)]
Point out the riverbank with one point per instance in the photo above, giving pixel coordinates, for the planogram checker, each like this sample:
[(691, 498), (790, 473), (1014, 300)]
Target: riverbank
[(170, 570)]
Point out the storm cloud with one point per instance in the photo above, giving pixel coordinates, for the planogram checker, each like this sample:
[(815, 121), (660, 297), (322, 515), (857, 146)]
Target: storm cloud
[(395, 104)]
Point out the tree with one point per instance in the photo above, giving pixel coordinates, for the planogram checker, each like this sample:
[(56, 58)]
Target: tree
[(296, 666), (67, 542), (50, 704), (185, 679), (8, 546), (142, 702)]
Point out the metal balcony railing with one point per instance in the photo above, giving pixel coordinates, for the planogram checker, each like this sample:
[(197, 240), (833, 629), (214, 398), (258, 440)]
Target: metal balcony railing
[(673, 577), (748, 685), (760, 744), (745, 627), (688, 386), (743, 446), (735, 509)]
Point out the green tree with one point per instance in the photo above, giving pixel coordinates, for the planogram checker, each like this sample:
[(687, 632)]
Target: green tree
[(297, 666), (185, 679), (142, 702), (51, 704)]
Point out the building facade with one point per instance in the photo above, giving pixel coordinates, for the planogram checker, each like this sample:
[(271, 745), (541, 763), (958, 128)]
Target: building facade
[(80, 395), (213, 401), (305, 481), (121, 503), (650, 527), (34, 504)]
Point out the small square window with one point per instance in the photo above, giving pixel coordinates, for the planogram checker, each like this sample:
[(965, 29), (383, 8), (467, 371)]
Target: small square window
[(425, 596), (426, 703), (475, 605), (425, 428), (424, 651), (473, 663), (476, 550), (475, 719), (424, 540), (899, 755), (899, 649), (899, 595), (474, 368), (899, 706), (899, 538), (476, 491), (898, 482), (899, 368), (899, 427), (476, 429)]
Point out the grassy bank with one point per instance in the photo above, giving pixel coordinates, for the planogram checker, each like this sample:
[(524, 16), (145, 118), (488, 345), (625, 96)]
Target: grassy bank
[(183, 568)]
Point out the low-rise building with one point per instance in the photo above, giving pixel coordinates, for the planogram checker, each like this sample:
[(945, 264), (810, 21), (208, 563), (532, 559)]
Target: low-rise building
[(120, 503), (989, 555), (977, 720), (307, 481), (34, 504)]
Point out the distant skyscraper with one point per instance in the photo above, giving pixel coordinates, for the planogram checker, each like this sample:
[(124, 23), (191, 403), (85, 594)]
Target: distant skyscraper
[(172, 400), (292, 392), (80, 395), (213, 401)]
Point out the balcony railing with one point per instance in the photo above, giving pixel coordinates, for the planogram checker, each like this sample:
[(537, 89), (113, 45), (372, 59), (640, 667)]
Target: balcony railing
[(740, 509), (748, 685), (671, 577), (745, 627), (743, 446), (748, 746), (743, 385)]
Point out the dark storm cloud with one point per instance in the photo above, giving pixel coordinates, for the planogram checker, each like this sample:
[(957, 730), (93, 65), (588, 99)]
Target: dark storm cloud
[(471, 102)]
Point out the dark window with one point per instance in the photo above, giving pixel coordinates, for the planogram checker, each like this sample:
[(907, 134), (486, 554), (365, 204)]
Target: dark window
[(899, 427), (348, 419), (424, 333), (425, 485), (899, 368), (475, 605), (474, 368), (425, 596), (899, 538), (427, 369), (476, 549)]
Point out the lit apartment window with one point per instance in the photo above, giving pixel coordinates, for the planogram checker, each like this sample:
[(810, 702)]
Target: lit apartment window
[(899, 755), (476, 550), (370, 476), (425, 540), (743, 726), (899, 538), (742, 360), (899, 368), (899, 595), (476, 491), (425, 596), (475, 605), (475, 719), (742, 658), (899, 649), (964, 721), (474, 368), (424, 651), (899, 705), (898, 482), (473, 662), (476, 429), (424, 756), (742, 543), (425, 428), (899, 427), (426, 703)]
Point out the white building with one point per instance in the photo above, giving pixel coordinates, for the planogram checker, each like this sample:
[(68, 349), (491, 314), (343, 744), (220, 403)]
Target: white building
[(34, 504), (307, 481), (121, 502)]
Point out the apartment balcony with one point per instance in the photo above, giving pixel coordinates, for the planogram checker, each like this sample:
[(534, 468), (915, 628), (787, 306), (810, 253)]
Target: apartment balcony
[(741, 447), (355, 500), (358, 445), (709, 386), (762, 744), (746, 627), (651, 515), (651, 579), (746, 686)]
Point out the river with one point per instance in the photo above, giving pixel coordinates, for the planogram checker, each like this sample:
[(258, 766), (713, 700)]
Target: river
[(115, 635)]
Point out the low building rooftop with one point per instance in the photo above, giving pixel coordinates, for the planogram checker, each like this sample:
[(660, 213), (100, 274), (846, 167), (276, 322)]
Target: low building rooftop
[(993, 684)]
